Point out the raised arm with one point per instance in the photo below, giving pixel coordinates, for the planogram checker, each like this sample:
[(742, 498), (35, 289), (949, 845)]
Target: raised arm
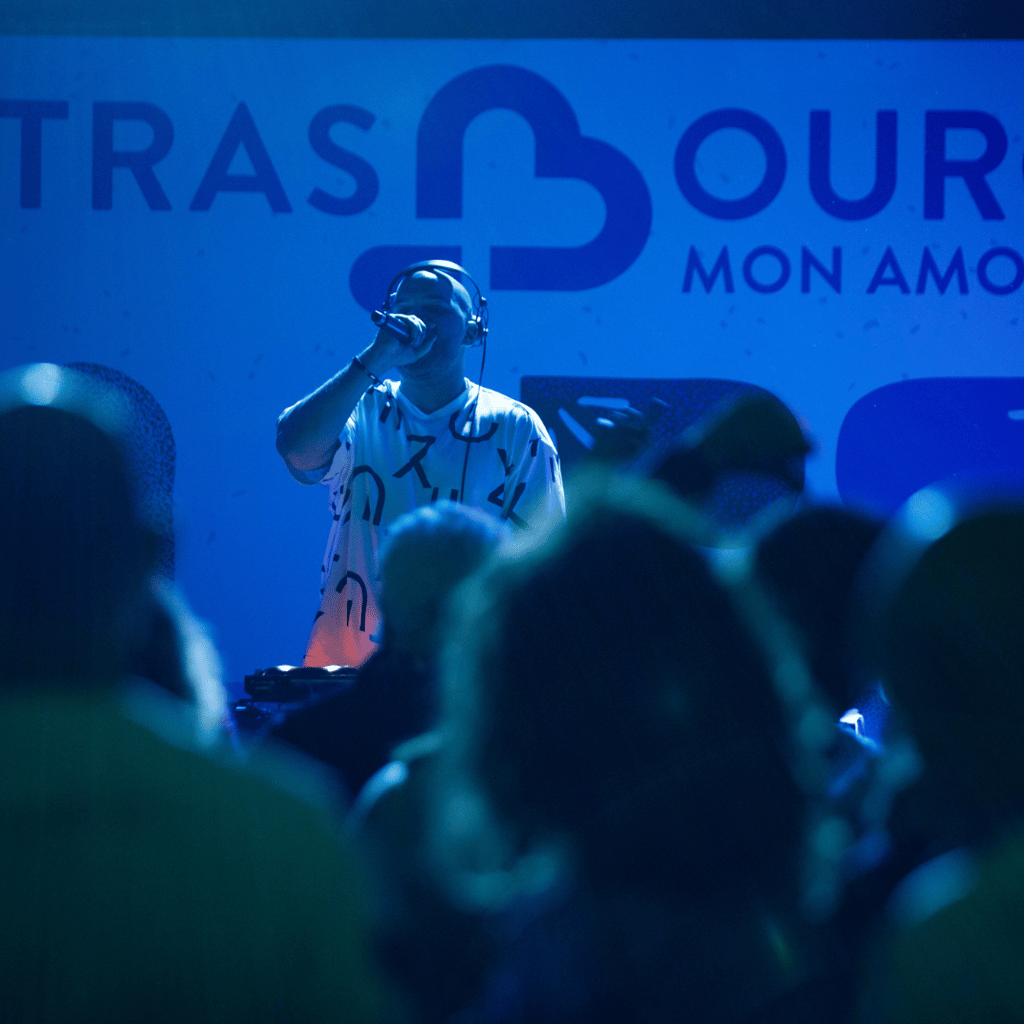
[(307, 432)]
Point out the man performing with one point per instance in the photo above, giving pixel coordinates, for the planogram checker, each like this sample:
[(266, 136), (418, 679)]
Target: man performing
[(402, 444)]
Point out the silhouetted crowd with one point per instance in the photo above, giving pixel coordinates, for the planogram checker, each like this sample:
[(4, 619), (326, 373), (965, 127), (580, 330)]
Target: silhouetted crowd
[(648, 765)]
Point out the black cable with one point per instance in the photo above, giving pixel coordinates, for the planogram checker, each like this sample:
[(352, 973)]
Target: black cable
[(472, 428)]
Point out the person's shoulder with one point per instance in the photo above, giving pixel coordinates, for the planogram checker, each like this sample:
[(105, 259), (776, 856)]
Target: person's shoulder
[(373, 408), (491, 402), (521, 424), (177, 745), (375, 398)]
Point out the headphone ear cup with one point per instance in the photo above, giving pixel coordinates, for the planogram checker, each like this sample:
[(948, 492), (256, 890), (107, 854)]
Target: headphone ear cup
[(472, 331)]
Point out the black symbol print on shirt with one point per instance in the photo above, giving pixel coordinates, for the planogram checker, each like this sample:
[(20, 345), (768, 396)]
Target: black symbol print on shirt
[(469, 438), (386, 412), (378, 504), (505, 464), (414, 462), (362, 590), (454, 496), (497, 496)]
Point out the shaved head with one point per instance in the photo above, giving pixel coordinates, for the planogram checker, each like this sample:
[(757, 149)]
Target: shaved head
[(453, 290)]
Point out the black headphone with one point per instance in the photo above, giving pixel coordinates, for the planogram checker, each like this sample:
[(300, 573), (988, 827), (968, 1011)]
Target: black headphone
[(476, 325)]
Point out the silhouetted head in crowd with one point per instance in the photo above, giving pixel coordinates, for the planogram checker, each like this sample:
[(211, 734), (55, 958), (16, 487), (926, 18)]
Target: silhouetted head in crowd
[(741, 465), (945, 628), (426, 554), (602, 693), (808, 565), (75, 557)]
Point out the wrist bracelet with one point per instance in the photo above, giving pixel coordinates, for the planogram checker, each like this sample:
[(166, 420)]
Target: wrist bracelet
[(362, 366)]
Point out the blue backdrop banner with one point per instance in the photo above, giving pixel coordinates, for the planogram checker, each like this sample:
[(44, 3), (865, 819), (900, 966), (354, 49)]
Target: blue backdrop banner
[(214, 218)]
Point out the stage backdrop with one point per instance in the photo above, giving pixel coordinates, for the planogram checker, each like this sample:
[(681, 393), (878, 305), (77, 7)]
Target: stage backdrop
[(213, 218)]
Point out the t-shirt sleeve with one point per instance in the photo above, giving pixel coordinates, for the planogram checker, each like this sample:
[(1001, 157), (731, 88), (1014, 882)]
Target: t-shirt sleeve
[(533, 490), (340, 463), (340, 468), (312, 476)]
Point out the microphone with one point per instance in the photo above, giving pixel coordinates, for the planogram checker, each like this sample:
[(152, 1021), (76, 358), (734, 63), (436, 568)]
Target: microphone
[(395, 327)]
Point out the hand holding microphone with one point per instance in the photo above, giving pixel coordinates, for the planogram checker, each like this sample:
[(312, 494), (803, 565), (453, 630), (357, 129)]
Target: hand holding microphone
[(409, 330), (402, 339)]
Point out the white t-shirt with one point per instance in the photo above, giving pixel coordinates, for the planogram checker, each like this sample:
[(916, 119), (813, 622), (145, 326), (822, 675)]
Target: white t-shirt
[(393, 458)]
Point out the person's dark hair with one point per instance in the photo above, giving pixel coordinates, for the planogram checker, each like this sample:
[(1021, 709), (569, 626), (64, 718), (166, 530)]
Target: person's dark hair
[(808, 565), (602, 688), (947, 636), (73, 548), (426, 553), (743, 465)]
